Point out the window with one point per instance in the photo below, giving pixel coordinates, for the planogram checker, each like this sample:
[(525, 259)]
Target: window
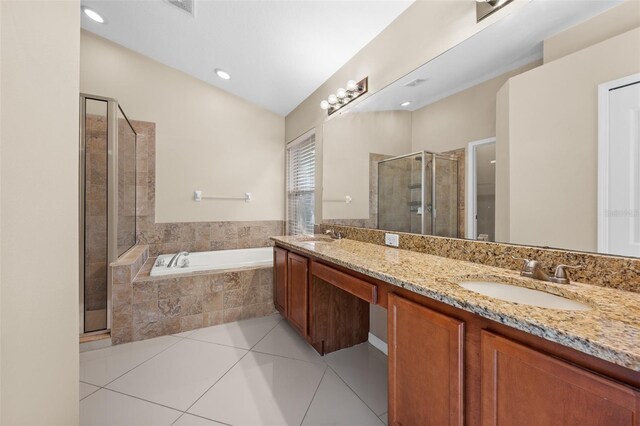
[(301, 185)]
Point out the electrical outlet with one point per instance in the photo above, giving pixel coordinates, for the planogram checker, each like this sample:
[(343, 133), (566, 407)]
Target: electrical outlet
[(392, 240)]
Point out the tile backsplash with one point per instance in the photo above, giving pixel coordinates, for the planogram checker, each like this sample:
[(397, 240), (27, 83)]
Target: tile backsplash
[(622, 273)]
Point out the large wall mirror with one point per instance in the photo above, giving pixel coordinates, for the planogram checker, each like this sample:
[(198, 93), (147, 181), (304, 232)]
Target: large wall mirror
[(526, 133)]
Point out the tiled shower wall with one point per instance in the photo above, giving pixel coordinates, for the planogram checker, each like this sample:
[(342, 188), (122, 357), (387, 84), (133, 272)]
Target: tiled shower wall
[(164, 238), (126, 186), (96, 213), (404, 219)]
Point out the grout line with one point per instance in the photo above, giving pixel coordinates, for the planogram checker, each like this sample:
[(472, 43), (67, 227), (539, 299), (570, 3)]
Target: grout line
[(91, 393), (267, 333), (176, 420), (321, 362), (146, 360), (355, 393), (201, 417), (217, 344), (145, 400), (230, 346), (214, 383), (226, 372), (314, 395)]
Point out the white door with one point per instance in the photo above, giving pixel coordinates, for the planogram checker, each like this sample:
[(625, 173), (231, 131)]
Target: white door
[(622, 157)]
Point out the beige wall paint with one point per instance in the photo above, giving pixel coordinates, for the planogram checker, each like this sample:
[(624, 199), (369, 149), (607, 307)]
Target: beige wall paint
[(613, 22), (39, 75), (206, 138), (348, 141), (502, 164), (553, 143), (425, 30), (464, 117)]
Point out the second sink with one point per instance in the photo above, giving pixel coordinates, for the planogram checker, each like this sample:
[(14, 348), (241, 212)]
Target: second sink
[(524, 296)]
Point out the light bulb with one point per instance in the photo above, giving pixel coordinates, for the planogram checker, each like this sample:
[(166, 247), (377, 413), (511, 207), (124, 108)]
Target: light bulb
[(352, 86), (333, 99), (341, 93), (93, 15), (324, 104), (223, 74)]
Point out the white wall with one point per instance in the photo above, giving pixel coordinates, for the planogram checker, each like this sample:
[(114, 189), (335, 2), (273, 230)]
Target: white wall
[(553, 144), (611, 23), (206, 138), (39, 75), (348, 141), (466, 116)]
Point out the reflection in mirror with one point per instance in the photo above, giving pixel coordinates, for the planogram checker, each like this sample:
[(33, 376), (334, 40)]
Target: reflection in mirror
[(497, 138)]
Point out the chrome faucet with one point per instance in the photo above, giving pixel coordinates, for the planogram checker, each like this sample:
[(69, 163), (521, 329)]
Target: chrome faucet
[(533, 269), (333, 234), (174, 260)]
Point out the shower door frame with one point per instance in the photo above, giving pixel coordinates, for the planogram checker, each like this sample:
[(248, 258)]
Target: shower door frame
[(112, 197), (423, 202)]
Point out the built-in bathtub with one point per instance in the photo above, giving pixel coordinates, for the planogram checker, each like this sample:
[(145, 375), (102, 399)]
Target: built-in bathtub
[(214, 261), (215, 288)]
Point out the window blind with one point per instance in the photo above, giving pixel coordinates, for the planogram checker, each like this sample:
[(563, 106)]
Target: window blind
[(301, 186)]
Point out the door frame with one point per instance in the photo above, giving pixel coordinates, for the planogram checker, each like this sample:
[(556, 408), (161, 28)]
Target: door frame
[(471, 206), (603, 156)]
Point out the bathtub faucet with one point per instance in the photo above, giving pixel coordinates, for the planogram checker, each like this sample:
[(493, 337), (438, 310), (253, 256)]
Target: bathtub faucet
[(174, 260)]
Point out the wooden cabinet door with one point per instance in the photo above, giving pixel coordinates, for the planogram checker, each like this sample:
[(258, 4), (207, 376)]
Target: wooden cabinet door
[(298, 284), (425, 365), (280, 280), (521, 386)]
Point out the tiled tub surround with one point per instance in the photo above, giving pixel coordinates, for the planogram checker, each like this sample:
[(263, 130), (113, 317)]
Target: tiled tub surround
[(164, 238), (609, 331), (122, 273), (622, 273), (144, 307), (156, 306)]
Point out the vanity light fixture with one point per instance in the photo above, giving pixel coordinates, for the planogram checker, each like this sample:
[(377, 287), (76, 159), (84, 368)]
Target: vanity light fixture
[(485, 8), (344, 95), (93, 15), (405, 104), (223, 74)]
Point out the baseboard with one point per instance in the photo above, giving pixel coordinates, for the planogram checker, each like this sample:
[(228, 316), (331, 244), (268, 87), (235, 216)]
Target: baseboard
[(378, 344)]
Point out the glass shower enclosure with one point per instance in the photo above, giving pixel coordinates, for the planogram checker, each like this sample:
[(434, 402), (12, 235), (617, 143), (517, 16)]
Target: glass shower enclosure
[(418, 193), (107, 203)]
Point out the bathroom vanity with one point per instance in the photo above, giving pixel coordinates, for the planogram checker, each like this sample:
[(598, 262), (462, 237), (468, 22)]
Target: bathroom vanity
[(458, 357)]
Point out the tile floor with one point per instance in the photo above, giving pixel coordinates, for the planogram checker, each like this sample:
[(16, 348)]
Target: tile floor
[(251, 372)]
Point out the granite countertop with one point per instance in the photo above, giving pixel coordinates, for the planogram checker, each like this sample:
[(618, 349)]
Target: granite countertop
[(609, 331)]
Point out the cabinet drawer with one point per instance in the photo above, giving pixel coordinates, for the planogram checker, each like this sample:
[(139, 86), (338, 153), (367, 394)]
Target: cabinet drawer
[(359, 288)]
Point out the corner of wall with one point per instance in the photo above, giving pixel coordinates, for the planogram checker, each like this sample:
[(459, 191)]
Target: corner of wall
[(503, 198)]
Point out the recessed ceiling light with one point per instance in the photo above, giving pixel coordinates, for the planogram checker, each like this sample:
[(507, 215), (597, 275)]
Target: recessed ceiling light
[(222, 74), (404, 104), (93, 15)]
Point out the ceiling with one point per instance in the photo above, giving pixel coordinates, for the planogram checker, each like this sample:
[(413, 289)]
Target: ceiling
[(277, 52), (513, 41)]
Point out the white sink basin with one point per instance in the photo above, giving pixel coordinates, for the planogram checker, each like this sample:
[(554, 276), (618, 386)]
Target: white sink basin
[(524, 296)]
